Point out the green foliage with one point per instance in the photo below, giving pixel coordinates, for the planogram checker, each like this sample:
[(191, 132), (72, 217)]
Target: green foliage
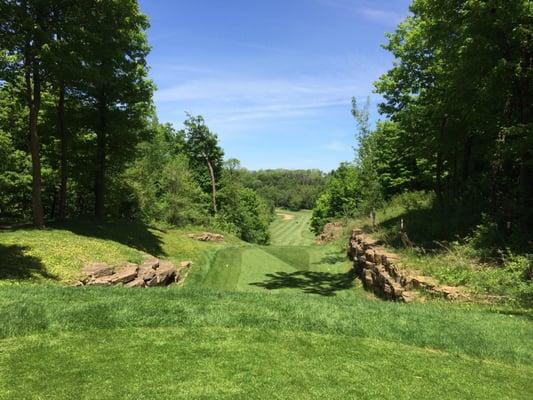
[(289, 189), (341, 198), (460, 94), (163, 184), (204, 152), (245, 212)]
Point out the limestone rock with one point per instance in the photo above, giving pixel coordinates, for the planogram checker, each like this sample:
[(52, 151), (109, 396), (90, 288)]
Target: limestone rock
[(165, 273), (102, 281), (126, 274), (207, 237), (151, 263), (97, 270), (136, 283)]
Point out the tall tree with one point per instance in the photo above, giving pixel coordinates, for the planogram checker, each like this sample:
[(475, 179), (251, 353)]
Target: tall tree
[(115, 83), (205, 154), (366, 160), (462, 85), (26, 32)]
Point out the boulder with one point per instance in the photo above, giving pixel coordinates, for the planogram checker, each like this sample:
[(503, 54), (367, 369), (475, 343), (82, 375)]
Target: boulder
[(146, 273), (126, 274), (185, 264), (139, 282), (207, 237), (165, 273), (102, 281), (151, 263), (97, 270)]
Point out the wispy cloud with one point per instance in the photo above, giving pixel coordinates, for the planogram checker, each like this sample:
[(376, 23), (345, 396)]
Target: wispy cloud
[(339, 147), (229, 99), (367, 10)]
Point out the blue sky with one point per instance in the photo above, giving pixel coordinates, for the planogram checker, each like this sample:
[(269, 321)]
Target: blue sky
[(272, 78)]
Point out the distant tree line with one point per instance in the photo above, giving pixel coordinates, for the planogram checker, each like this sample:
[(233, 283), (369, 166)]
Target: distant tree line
[(458, 104), (78, 132), (291, 189)]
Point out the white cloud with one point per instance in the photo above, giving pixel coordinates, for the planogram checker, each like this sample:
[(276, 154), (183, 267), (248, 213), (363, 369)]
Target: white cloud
[(225, 100), (367, 10), (339, 147)]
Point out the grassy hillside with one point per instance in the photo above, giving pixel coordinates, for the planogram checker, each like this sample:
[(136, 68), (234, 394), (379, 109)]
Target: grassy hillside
[(58, 253), (447, 248), (107, 343)]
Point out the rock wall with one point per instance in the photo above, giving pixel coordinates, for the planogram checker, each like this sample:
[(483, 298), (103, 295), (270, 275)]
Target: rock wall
[(380, 272)]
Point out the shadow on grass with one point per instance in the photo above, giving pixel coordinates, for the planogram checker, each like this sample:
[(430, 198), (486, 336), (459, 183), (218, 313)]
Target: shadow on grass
[(133, 234), (321, 283), (332, 258), (14, 264), (427, 226)]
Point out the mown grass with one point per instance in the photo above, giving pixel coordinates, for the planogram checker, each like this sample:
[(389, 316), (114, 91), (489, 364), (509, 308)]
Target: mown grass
[(310, 269), (241, 328), (291, 232), (99, 343), (317, 270)]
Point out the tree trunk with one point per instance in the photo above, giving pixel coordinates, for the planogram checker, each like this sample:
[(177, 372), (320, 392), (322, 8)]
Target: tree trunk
[(438, 182), (99, 187), (34, 102), (213, 184), (467, 155), (64, 151)]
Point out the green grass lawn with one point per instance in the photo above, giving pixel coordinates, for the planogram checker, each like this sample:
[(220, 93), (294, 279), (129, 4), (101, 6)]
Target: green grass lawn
[(291, 232), (166, 343), (296, 266), (274, 322)]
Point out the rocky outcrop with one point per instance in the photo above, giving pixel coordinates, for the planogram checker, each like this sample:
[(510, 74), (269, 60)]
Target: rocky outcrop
[(381, 272), (152, 272), (207, 237)]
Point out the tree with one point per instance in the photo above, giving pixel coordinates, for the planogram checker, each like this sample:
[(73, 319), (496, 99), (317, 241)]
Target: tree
[(460, 92), (340, 199), (204, 153), (115, 83), (367, 161), (26, 31)]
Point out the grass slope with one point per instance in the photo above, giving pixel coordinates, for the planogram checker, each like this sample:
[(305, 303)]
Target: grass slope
[(58, 253), (101, 343)]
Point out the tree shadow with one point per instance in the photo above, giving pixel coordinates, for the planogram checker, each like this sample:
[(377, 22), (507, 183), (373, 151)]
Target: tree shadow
[(133, 234), (332, 258), (15, 264), (321, 283), (427, 227)]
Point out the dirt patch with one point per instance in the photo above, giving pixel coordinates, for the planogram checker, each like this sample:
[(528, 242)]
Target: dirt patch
[(286, 217)]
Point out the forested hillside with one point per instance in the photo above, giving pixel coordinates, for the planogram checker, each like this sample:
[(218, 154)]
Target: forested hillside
[(290, 189)]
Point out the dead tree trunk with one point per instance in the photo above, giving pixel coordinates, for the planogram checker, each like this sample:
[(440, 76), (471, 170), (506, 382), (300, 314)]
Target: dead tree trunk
[(213, 183)]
